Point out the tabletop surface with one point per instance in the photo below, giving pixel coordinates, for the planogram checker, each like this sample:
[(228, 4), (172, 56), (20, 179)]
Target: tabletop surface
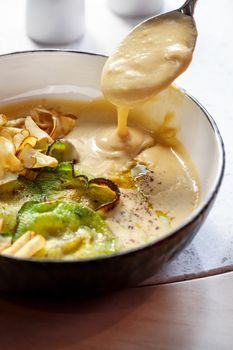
[(209, 79), (193, 315)]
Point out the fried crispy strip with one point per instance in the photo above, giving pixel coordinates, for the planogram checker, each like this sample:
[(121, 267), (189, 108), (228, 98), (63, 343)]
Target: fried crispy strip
[(52, 122), (19, 138), (19, 243), (7, 176), (35, 130), (5, 242), (4, 245), (17, 123), (32, 158), (8, 160), (3, 119), (31, 247), (30, 140)]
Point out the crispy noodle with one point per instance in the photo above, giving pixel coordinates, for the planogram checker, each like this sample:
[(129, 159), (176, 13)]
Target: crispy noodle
[(24, 141)]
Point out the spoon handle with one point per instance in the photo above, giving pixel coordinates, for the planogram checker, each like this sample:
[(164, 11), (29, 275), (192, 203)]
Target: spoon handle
[(188, 7)]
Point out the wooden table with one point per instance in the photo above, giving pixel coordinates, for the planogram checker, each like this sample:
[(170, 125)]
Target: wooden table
[(197, 314)]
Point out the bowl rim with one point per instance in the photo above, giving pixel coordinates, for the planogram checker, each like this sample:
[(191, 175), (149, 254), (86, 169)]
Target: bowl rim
[(197, 213)]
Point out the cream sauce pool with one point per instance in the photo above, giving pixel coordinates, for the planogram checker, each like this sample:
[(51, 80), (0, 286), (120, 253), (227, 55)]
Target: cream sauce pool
[(166, 196), (170, 191)]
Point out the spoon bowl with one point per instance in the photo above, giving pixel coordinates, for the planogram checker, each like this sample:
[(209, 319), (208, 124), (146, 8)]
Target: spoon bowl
[(151, 57)]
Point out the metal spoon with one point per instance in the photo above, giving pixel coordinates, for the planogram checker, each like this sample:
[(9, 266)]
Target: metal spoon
[(188, 7), (148, 60)]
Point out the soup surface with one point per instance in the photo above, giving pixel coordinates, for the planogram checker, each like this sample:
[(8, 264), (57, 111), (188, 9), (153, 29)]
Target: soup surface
[(71, 187)]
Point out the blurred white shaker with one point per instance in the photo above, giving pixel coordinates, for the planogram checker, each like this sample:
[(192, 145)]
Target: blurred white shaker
[(55, 21), (134, 8)]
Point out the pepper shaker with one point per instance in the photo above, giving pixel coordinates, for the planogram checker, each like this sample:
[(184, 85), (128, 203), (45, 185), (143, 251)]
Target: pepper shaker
[(55, 21)]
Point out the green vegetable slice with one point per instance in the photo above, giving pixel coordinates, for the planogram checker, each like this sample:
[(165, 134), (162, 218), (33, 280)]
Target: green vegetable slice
[(62, 178), (62, 183), (99, 193), (12, 196), (58, 150), (104, 193), (63, 151), (68, 226)]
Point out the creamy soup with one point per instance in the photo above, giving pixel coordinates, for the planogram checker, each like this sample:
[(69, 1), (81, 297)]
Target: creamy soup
[(73, 184), (149, 59), (156, 181)]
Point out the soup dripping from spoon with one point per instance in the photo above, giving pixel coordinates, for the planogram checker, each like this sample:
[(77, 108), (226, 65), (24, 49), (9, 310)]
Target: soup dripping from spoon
[(149, 59)]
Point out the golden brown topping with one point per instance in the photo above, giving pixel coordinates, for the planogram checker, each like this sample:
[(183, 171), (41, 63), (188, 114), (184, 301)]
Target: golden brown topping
[(33, 158), (31, 247), (17, 123), (19, 243), (19, 138), (30, 140), (1, 224), (24, 141), (5, 242), (3, 119), (53, 123), (8, 160), (24, 247), (35, 131)]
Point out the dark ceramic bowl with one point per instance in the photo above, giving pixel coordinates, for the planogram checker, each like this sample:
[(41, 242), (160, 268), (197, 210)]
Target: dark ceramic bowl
[(78, 74)]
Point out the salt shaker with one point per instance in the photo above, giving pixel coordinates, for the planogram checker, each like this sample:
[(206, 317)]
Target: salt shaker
[(135, 8), (55, 21)]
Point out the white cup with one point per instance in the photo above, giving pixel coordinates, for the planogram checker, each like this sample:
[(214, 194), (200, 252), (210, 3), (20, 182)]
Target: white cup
[(55, 21), (134, 8)]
